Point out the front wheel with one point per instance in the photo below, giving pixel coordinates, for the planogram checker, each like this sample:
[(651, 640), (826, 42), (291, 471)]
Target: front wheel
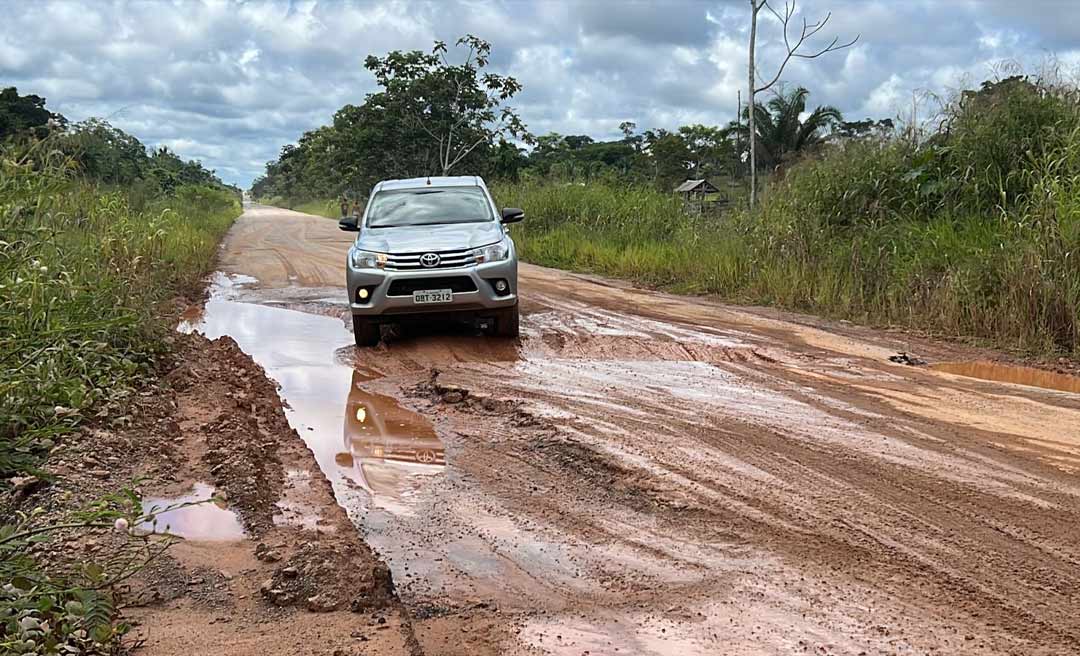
[(506, 322), (365, 331)]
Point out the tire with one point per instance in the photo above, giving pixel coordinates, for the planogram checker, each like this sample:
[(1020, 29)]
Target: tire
[(365, 332), (506, 322)]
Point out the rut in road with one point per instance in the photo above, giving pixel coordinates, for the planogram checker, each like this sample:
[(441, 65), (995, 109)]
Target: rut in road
[(666, 475)]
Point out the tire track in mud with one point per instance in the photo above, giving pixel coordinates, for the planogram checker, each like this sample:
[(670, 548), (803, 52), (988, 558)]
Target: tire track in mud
[(930, 552)]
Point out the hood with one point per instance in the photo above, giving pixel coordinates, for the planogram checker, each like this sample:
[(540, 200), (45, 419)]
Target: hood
[(422, 239)]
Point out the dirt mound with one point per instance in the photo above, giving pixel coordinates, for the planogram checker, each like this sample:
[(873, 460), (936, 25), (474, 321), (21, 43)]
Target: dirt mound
[(241, 429), (215, 417), (466, 400), (323, 577)]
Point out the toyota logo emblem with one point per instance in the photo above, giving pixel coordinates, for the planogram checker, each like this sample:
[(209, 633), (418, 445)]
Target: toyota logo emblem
[(430, 260)]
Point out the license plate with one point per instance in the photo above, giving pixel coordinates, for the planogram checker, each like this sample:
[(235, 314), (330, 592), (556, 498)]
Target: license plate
[(433, 296)]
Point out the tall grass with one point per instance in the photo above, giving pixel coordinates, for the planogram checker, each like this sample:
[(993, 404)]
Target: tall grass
[(83, 274), (973, 231), (1010, 278), (82, 277), (328, 208)]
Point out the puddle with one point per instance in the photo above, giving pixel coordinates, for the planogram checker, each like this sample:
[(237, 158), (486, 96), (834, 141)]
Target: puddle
[(385, 462), (389, 450), (1004, 373), (361, 441), (207, 521)]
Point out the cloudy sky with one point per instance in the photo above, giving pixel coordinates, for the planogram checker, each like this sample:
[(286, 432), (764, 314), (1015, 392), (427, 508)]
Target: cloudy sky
[(229, 83)]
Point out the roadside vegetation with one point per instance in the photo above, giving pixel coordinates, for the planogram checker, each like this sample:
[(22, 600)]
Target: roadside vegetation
[(328, 208), (96, 235), (973, 230), (969, 228)]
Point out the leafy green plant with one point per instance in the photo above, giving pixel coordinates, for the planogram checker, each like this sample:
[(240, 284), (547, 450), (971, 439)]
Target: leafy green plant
[(73, 608), (82, 275)]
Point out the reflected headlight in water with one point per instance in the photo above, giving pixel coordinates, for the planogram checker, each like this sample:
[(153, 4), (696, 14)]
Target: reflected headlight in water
[(368, 260), (492, 253)]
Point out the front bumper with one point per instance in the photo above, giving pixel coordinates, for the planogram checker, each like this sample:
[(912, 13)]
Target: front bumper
[(381, 305)]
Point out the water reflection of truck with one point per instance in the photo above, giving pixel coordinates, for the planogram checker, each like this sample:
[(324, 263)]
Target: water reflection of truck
[(390, 449)]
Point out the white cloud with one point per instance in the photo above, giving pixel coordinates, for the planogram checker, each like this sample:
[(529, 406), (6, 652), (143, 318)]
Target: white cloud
[(231, 82)]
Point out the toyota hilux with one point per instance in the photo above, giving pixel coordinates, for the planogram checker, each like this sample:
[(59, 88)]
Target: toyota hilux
[(432, 248)]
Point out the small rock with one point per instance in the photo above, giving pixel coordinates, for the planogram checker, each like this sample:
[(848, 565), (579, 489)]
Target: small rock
[(320, 604), (453, 397), (908, 359), (290, 572), (266, 554)]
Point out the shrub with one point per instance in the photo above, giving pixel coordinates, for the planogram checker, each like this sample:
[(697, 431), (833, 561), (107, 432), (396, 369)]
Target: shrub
[(82, 275), (83, 271)]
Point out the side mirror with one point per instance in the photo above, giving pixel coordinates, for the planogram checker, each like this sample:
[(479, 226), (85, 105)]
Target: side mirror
[(349, 224), (512, 215)]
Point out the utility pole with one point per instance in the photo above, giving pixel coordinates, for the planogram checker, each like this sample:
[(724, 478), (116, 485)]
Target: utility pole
[(738, 130), (755, 7)]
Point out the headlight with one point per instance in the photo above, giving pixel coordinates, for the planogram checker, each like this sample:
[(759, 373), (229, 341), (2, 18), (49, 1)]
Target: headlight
[(492, 253), (368, 260)]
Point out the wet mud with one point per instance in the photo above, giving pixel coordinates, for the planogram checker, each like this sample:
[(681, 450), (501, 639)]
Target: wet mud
[(649, 474)]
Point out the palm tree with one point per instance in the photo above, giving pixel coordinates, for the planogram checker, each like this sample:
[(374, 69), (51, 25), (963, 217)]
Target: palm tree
[(780, 133)]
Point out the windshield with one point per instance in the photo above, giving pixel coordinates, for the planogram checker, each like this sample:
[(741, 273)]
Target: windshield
[(428, 206)]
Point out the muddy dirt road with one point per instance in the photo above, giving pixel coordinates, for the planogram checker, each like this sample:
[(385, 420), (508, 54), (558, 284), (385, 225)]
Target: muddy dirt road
[(650, 474)]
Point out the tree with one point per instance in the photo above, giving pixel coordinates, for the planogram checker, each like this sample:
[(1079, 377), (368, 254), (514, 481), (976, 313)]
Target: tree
[(107, 153), (780, 132), (25, 114), (807, 32), (458, 107), (710, 151), (670, 157), (865, 128)]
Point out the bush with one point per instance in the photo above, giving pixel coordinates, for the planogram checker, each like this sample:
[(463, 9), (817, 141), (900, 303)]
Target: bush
[(83, 272), (82, 275)]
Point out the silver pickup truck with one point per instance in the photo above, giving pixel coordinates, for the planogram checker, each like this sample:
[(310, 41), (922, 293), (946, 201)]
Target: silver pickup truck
[(432, 248)]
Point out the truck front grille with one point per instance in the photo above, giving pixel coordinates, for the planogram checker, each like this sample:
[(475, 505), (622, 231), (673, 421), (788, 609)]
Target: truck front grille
[(447, 260)]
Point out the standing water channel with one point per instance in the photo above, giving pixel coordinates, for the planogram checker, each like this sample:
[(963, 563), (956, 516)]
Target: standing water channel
[(379, 457)]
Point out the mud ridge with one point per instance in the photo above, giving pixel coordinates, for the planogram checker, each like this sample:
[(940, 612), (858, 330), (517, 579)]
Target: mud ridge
[(215, 418)]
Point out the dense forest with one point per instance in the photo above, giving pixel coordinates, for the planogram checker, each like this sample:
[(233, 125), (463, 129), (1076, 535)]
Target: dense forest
[(399, 131)]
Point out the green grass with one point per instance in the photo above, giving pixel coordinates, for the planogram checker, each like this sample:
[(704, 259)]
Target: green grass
[(973, 231), (328, 208), (84, 273), (82, 277), (1006, 279)]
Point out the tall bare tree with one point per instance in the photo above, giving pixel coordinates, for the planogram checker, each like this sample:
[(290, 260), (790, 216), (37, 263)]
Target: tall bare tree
[(793, 51)]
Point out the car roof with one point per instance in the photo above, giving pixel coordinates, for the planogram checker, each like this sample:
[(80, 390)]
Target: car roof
[(433, 181)]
